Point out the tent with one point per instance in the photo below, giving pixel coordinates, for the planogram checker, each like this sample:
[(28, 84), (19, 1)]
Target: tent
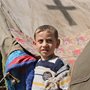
[(71, 18)]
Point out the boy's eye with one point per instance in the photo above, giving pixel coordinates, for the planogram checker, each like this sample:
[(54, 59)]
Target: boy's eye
[(49, 40), (40, 41)]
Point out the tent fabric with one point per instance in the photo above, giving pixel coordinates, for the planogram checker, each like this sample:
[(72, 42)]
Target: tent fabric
[(70, 18)]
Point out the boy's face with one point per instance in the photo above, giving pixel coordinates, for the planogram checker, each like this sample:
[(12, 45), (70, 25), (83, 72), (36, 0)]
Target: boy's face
[(46, 43)]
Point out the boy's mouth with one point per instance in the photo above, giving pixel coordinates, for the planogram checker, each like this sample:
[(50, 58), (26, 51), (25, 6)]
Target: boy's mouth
[(44, 50)]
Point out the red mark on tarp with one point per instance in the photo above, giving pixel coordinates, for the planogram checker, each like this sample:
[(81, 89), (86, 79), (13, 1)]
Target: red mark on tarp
[(20, 40), (82, 38), (67, 41), (71, 61), (61, 49), (77, 52)]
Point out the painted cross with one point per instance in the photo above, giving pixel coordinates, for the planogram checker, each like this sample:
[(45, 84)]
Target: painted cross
[(63, 9)]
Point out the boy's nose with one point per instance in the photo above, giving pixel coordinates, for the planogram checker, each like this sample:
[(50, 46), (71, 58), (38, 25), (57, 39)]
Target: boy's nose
[(44, 43)]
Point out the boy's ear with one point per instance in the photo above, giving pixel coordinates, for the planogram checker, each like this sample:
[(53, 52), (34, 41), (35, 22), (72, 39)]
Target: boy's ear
[(58, 43), (34, 43)]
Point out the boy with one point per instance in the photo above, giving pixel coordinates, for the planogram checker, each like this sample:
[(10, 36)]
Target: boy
[(50, 69)]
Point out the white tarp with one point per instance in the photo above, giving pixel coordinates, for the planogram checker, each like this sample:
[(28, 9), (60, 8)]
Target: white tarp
[(70, 17)]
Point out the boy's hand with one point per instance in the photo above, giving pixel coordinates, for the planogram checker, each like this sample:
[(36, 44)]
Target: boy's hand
[(60, 81), (51, 84)]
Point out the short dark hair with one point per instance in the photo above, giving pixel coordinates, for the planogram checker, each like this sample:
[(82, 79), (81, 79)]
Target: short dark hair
[(48, 28)]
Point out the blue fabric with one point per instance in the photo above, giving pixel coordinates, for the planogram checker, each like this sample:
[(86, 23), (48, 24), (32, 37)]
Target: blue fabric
[(20, 65), (14, 55), (53, 66)]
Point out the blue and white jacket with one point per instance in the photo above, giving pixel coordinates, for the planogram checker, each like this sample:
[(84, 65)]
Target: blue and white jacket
[(49, 71)]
